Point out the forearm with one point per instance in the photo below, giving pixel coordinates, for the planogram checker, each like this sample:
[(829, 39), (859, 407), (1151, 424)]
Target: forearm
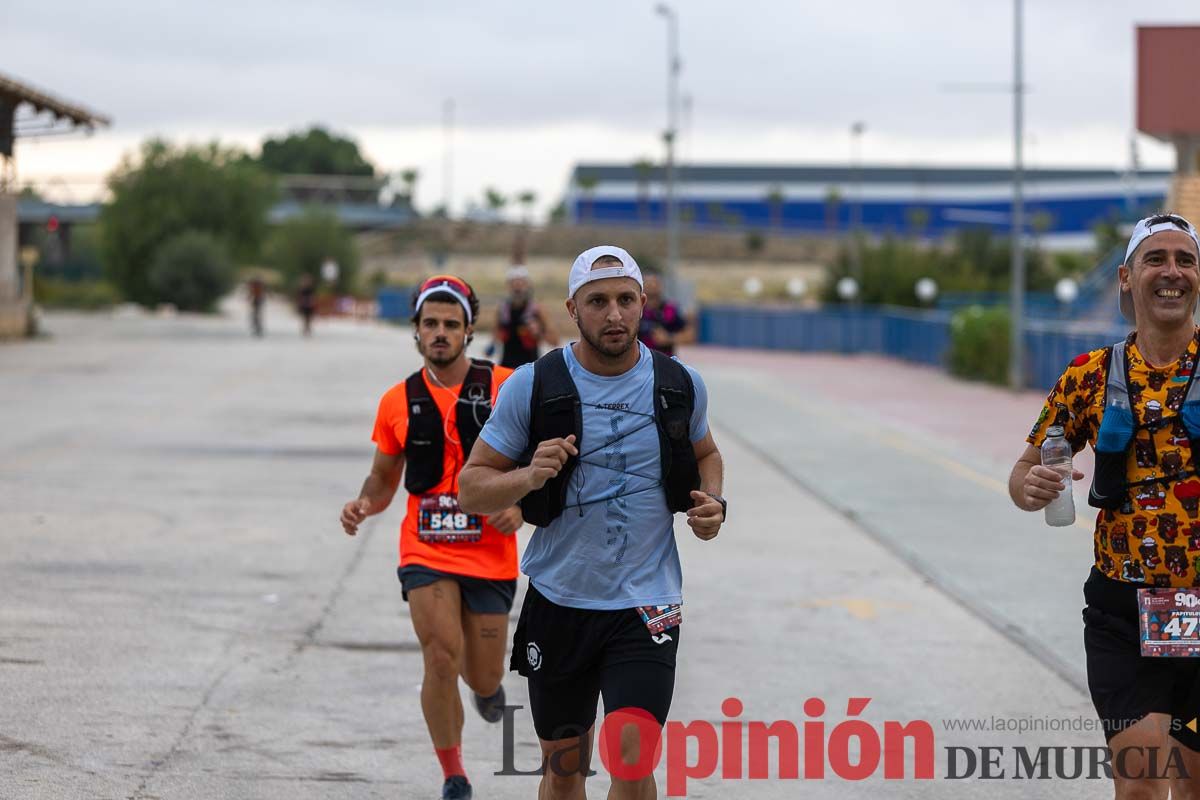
[(379, 490), (486, 490), (1016, 485), (712, 473)]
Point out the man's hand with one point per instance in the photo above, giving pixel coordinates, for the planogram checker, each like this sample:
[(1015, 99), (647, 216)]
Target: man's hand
[(353, 513), (508, 521), (1043, 484), (661, 336), (548, 460), (705, 516)]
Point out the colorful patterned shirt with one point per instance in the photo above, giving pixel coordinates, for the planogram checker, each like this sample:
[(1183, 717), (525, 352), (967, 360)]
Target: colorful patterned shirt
[(1155, 536)]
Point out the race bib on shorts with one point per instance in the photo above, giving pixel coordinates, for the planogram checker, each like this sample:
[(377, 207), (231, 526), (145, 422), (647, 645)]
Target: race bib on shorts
[(1169, 621), (661, 618), (441, 521)]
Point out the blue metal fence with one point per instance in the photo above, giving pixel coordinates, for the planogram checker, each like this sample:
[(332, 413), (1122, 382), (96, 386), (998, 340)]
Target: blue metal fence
[(912, 335), (395, 303)]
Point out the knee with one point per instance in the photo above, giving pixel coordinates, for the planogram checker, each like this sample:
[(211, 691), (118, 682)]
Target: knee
[(441, 661), (565, 771), (1186, 789), (1149, 789), (484, 680), (561, 784)]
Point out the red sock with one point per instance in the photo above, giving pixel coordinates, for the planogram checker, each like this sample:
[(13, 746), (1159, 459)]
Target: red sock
[(451, 759)]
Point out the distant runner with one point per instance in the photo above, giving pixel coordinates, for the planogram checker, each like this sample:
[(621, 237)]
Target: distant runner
[(663, 323), (520, 324)]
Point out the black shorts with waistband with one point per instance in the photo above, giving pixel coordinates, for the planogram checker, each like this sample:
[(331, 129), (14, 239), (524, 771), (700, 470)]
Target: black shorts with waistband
[(1125, 685), (573, 656), (479, 595)]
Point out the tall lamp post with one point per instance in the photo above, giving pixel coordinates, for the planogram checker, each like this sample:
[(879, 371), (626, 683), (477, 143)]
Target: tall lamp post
[(1016, 344), (671, 134), (856, 216)]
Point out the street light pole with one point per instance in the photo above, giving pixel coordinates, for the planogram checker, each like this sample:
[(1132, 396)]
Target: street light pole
[(448, 155), (671, 134), (856, 208), (1016, 344)]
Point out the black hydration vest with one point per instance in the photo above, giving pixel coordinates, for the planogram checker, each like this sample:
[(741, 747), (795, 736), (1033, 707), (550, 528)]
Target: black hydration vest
[(1118, 431), (556, 412), (425, 444)]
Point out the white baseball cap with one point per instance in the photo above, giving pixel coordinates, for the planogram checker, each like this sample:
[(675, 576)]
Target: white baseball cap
[(1141, 232), (582, 272)]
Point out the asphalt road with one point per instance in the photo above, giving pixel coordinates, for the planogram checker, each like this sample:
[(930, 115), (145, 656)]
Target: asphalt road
[(182, 617)]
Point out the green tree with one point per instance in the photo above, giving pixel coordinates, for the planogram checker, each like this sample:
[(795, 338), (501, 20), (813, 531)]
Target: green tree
[(587, 187), (917, 218), (775, 200), (833, 199), (496, 201), (163, 191), (314, 152), (192, 271), (409, 176), (527, 198), (300, 245)]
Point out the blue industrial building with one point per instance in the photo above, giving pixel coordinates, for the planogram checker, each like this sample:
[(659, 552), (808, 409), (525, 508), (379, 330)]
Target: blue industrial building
[(1062, 205)]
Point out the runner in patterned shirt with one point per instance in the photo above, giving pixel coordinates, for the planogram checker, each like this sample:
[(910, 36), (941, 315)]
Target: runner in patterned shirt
[(1147, 532)]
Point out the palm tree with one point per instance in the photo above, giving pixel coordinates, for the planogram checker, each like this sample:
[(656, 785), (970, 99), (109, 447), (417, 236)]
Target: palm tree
[(832, 199), (587, 185), (643, 168), (775, 204), (527, 198), (409, 176), (495, 202), (917, 219)]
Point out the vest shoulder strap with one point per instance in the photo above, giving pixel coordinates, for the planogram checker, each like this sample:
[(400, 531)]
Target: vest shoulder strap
[(554, 412)]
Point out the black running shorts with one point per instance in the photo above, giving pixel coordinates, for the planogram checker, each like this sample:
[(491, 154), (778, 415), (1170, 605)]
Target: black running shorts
[(479, 595), (1125, 685), (573, 656)]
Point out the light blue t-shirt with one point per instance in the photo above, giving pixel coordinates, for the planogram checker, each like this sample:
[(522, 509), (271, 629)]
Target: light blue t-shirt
[(613, 546)]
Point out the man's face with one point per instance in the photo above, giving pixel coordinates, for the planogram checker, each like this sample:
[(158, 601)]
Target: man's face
[(1164, 279), (608, 313), (442, 332)]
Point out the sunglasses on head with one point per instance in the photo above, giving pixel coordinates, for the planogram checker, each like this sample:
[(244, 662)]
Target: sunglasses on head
[(448, 281)]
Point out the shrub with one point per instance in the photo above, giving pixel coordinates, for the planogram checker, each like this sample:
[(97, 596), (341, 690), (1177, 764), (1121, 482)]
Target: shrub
[(192, 271), (166, 190), (979, 344), (89, 295)]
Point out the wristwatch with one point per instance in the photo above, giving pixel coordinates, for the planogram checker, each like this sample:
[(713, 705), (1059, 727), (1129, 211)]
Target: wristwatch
[(724, 505)]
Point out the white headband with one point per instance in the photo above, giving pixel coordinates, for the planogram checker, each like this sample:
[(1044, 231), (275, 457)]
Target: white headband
[(448, 289)]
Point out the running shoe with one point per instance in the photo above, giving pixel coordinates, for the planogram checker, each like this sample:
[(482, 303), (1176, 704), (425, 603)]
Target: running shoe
[(456, 787), (490, 708)]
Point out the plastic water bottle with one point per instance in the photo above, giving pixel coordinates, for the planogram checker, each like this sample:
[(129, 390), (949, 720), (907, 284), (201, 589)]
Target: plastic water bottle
[(1056, 454)]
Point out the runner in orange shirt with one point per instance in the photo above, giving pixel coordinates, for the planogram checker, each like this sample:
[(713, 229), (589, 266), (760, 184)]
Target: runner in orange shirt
[(457, 571)]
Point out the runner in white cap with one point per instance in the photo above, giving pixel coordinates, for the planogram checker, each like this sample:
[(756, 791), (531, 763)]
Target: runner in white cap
[(601, 442), (1136, 403)]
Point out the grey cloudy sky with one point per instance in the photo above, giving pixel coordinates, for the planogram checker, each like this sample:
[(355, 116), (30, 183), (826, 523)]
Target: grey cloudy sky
[(540, 85)]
